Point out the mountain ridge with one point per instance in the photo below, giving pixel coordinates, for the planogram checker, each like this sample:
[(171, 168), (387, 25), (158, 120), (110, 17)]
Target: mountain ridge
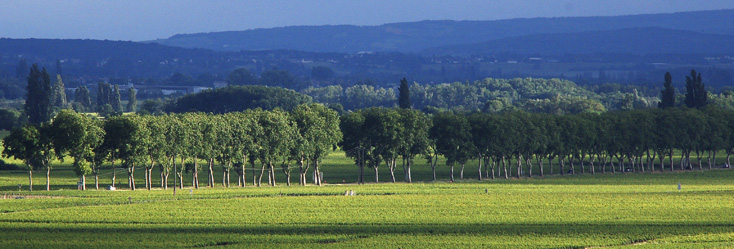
[(417, 36)]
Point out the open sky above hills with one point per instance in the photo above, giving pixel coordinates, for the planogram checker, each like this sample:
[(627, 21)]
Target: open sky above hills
[(139, 20)]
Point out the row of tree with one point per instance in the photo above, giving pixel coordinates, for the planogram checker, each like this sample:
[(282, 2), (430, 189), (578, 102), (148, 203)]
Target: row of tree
[(300, 139), (586, 141), (297, 139)]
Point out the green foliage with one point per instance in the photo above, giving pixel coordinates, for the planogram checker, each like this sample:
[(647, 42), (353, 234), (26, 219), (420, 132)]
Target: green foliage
[(241, 76), (404, 95), (38, 105), (59, 93), (280, 78), (696, 94), (132, 103), (82, 99), (9, 118), (668, 93), (23, 143), (238, 98)]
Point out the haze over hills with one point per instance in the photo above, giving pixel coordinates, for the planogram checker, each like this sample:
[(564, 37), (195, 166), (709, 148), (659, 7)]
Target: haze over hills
[(417, 36), (640, 41)]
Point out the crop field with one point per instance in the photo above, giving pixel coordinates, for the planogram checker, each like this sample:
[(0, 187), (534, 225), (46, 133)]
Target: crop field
[(621, 210)]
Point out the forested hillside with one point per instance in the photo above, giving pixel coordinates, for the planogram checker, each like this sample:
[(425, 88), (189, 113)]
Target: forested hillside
[(638, 41), (416, 36)]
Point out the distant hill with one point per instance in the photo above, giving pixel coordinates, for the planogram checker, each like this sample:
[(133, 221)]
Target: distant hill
[(417, 36), (640, 41), (106, 58)]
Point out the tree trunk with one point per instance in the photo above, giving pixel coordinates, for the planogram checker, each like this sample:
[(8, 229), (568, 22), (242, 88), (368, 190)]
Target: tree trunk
[(84, 182), (560, 165), (244, 179), (318, 171), (211, 173), (452, 172), (433, 166), (287, 174), (479, 171), (377, 175), (146, 179), (196, 173), (48, 177), (96, 180), (130, 172), (570, 159), (114, 173), (550, 164), (228, 177), (504, 167), (150, 178), (461, 172), (164, 180), (528, 162), (272, 174), (662, 162), (410, 176), (582, 163), (592, 157), (260, 177), (391, 166), (30, 179), (519, 165), (540, 164)]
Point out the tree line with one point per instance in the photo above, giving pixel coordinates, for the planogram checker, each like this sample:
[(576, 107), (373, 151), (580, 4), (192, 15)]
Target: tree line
[(508, 144), (620, 141), (176, 143)]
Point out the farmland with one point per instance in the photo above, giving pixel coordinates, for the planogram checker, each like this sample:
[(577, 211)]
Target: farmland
[(579, 211)]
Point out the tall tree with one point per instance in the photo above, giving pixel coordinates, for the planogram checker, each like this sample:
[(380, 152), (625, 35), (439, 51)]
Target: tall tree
[(76, 135), (414, 138), (132, 103), (696, 95), (318, 127), (452, 134), (404, 94), (82, 100), (23, 144), (667, 98), (104, 94), (59, 93), (115, 101), (38, 105)]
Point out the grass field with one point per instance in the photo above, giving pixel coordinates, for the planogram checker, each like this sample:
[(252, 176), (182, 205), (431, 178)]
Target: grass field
[(620, 210)]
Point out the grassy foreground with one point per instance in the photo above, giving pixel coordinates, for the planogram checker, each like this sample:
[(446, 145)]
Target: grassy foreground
[(621, 210)]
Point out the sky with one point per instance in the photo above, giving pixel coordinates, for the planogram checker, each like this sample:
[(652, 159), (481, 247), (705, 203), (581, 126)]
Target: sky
[(141, 20)]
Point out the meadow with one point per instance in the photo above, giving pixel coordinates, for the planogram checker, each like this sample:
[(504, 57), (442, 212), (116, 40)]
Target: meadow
[(637, 210)]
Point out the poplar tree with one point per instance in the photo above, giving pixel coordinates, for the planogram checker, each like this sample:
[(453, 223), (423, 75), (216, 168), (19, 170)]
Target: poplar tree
[(404, 94), (132, 104), (59, 93), (696, 95), (38, 102), (668, 94)]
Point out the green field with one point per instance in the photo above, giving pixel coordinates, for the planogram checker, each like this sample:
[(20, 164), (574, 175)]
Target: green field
[(620, 210)]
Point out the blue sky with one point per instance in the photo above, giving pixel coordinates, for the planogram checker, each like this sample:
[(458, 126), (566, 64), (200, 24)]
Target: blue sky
[(139, 20)]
